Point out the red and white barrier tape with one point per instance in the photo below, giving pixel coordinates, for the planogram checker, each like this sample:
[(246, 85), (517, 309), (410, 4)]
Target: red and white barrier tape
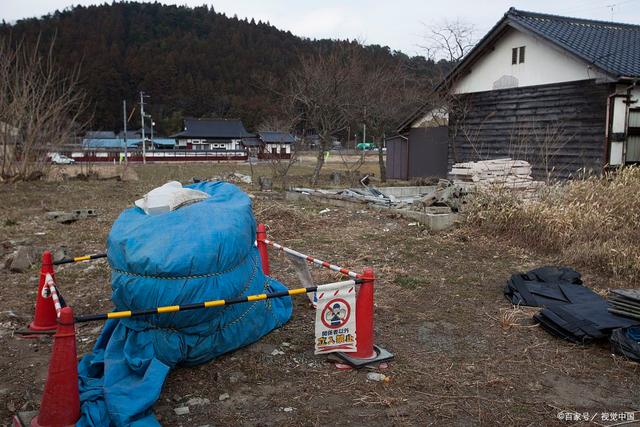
[(348, 286), (51, 285), (314, 260)]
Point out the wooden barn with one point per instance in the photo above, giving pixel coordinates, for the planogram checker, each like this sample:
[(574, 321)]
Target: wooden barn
[(561, 93)]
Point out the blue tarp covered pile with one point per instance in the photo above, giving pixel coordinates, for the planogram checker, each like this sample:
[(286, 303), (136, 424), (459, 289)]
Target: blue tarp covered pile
[(200, 252)]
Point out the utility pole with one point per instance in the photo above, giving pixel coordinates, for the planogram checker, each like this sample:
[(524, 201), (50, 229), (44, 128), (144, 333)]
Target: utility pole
[(152, 124), (124, 120), (144, 145), (364, 127)]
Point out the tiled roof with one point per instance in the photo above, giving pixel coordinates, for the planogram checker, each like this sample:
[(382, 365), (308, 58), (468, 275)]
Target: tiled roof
[(613, 47), (276, 137), (213, 128)]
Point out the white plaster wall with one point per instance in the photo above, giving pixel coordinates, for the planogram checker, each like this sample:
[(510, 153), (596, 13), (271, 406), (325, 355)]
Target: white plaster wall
[(433, 118), (544, 64), (282, 148), (620, 122), (619, 118)]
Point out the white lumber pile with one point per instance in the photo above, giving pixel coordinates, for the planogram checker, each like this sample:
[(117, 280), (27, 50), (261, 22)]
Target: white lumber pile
[(512, 174)]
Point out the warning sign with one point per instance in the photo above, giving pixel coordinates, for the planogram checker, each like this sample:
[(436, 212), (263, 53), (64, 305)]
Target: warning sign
[(336, 321)]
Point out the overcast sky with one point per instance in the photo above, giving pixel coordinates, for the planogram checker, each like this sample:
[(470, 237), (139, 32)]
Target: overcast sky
[(399, 24)]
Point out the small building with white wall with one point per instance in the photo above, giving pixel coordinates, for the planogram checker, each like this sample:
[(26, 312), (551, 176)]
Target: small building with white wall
[(208, 134), (562, 93)]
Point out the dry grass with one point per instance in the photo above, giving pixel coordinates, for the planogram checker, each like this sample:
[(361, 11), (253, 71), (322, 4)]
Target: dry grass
[(590, 223), (517, 316)]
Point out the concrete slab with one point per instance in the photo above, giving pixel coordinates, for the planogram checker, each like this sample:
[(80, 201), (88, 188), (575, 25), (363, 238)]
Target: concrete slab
[(401, 192), (433, 221)]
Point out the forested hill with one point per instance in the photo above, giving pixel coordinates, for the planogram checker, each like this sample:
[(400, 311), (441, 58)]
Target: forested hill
[(191, 61)]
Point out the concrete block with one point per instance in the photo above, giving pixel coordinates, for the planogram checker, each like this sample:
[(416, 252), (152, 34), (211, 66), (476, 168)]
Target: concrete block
[(22, 259)]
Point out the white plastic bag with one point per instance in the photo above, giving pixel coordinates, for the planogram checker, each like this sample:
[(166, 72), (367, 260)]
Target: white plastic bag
[(169, 197)]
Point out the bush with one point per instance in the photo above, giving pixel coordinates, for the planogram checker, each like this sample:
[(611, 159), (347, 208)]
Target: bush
[(591, 222)]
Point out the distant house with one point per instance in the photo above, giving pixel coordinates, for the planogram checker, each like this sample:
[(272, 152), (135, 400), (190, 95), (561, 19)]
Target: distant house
[(269, 144), (110, 143), (559, 92), (277, 142), (211, 134), (135, 133), (164, 143), (100, 134)]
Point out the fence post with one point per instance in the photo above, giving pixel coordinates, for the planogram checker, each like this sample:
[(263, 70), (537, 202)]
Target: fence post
[(262, 248)]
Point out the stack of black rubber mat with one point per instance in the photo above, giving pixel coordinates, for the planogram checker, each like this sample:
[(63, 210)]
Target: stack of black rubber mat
[(569, 310), (546, 285), (581, 323), (625, 302)]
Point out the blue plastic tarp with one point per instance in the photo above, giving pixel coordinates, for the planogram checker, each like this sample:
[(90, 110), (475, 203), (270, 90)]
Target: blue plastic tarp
[(201, 252)]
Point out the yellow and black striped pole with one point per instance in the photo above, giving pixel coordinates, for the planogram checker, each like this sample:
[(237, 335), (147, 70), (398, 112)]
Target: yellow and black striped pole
[(79, 259), (216, 303)]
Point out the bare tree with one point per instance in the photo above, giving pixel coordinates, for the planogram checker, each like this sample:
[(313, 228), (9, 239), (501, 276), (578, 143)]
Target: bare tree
[(324, 87), (40, 105), (447, 43), (281, 163), (390, 97), (449, 40)]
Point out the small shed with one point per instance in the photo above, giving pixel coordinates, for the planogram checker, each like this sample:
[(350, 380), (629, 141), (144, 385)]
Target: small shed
[(422, 154), (397, 157)]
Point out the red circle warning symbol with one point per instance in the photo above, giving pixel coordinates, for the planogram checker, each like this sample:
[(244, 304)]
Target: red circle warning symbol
[(335, 313)]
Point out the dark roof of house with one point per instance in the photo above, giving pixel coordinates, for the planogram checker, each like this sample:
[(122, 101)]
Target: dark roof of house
[(611, 47), (100, 134), (276, 137), (213, 128), (135, 133), (251, 142)]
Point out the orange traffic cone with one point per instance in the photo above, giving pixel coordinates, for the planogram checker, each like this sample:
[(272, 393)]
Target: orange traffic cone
[(45, 315), (60, 405)]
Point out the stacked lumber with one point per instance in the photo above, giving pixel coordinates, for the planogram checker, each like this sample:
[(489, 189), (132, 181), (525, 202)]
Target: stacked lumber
[(508, 173)]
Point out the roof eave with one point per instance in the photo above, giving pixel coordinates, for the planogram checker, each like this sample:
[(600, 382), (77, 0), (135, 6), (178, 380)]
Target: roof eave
[(496, 31), (521, 26)]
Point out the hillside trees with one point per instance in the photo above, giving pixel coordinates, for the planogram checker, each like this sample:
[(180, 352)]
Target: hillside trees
[(192, 61)]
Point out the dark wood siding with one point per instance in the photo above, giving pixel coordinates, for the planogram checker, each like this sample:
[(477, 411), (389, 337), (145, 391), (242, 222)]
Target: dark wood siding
[(397, 158), (428, 149), (559, 128)]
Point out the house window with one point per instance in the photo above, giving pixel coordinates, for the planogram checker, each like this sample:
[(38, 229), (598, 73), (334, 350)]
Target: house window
[(517, 55)]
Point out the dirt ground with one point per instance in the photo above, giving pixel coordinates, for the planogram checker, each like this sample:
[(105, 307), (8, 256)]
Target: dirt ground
[(464, 356)]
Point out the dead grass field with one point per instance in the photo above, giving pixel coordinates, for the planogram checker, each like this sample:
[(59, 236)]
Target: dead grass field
[(464, 356)]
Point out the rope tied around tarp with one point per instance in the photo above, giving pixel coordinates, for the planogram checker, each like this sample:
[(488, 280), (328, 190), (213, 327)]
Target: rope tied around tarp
[(193, 276)]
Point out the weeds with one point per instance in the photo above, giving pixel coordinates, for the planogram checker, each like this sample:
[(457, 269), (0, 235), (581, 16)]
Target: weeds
[(408, 282), (590, 222)]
